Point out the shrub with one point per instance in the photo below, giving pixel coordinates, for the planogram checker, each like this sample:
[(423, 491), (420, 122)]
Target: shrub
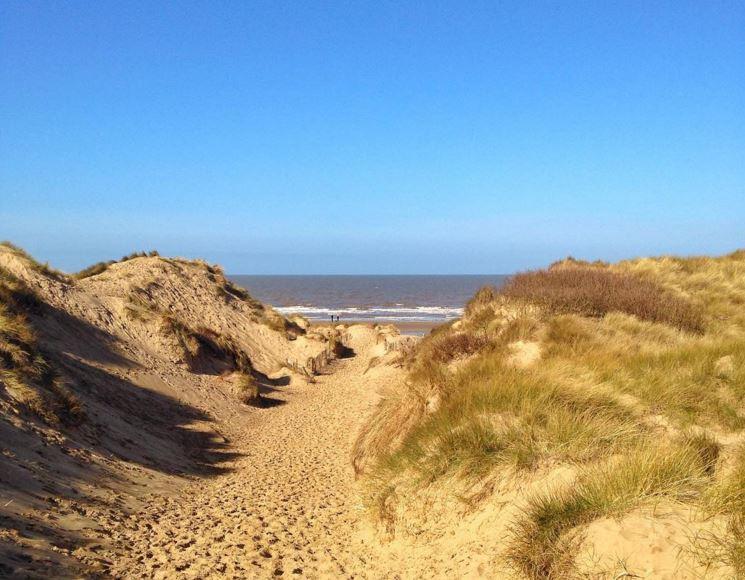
[(483, 297), (447, 347), (595, 291)]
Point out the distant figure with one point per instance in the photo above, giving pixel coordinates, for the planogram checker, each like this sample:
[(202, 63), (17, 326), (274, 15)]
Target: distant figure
[(332, 319)]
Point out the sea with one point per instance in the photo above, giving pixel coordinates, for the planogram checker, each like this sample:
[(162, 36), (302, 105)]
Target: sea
[(429, 300)]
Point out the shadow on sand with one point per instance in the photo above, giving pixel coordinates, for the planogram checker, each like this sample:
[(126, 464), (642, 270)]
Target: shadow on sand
[(129, 435)]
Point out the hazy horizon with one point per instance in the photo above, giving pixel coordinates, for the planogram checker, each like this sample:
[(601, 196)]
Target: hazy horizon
[(286, 138)]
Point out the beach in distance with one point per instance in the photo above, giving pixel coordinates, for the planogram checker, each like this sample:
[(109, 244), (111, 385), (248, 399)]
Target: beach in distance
[(415, 304)]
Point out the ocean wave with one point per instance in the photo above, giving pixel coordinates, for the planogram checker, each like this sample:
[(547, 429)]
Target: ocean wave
[(412, 314)]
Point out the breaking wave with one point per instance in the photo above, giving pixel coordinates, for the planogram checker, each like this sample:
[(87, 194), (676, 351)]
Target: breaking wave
[(396, 313)]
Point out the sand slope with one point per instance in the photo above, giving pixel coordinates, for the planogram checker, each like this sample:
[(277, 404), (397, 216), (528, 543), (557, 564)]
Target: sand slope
[(170, 475), (153, 423)]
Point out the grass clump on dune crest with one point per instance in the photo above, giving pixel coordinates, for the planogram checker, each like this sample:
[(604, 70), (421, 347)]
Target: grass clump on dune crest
[(594, 291), (42, 268), (100, 267)]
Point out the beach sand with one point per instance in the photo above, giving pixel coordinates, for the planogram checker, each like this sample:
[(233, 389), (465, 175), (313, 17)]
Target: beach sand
[(418, 328)]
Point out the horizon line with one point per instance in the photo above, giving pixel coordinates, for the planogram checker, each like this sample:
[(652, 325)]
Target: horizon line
[(370, 275)]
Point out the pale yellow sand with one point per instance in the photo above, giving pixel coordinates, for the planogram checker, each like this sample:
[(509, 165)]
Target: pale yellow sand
[(289, 506)]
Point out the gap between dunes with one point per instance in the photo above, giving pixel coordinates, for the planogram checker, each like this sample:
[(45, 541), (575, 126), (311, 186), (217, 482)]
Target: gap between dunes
[(288, 505)]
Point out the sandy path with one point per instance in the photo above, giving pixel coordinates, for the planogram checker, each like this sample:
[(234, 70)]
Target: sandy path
[(288, 508)]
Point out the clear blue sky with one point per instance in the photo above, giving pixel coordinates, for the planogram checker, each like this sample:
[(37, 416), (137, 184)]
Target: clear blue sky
[(372, 137)]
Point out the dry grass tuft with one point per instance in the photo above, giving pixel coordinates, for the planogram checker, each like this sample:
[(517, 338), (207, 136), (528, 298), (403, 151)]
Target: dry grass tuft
[(24, 372), (447, 347), (594, 291), (100, 267), (546, 537), (35, 265), (224, 348), (185, 337), (198, 347), (727, 498), (396, 415), (249, 389), (483, 297)]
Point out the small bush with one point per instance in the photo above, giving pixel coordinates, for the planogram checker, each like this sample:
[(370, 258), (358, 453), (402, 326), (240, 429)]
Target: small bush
[(483, 297), (447, 347), (594, 291)]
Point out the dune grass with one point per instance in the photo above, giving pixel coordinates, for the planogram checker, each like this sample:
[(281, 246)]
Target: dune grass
[(24, 371), (493, 416), (596, 291), (641, 369), (546, 538), (100, 267), (185, 337), (727, 498), (249, 389), (42, 268)]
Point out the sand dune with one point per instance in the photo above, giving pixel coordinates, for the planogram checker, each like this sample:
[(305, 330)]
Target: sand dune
[(129, 449), (167, 453)]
